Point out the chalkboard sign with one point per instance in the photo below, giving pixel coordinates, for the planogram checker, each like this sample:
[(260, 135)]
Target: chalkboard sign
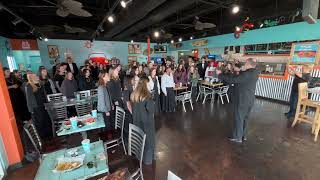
[(261, 47), (305, 53)]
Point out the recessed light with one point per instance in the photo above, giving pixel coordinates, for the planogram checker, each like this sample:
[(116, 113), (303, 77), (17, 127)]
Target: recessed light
[(131, 41), (191, 37), (261, 25), (180, 39), (156, 34), (46, 39), (172, 41)]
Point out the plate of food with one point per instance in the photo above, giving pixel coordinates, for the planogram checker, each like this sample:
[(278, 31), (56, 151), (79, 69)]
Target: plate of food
[(89, 121), (68, 164)]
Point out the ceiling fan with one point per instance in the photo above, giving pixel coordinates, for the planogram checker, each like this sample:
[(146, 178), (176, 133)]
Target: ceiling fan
[(198, 25), (66, 7)]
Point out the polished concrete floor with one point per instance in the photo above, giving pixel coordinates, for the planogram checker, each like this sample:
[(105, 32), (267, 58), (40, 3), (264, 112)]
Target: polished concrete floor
[(194, 146)]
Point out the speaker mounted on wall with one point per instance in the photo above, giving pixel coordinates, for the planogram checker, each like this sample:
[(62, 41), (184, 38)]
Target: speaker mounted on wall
[(310, 11)]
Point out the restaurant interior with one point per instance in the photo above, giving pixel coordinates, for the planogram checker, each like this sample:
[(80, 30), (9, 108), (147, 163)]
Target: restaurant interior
[(159, 89)]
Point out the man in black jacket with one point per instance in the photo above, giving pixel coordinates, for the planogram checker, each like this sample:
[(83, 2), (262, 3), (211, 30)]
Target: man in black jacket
[(246, 86), (72, 67), (202, 67)]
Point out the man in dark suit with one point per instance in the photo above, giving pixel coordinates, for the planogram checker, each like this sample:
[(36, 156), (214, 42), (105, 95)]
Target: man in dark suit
[(72, 67), (246, 86), (202, 66)]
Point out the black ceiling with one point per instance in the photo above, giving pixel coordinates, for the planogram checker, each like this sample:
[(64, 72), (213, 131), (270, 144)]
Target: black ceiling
[(141, 18)]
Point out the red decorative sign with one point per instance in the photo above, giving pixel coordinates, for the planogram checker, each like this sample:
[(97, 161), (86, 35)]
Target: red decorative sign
[(24, 44)]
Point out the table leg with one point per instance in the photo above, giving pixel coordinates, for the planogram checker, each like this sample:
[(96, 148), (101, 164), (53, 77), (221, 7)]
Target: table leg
[(84, 135)]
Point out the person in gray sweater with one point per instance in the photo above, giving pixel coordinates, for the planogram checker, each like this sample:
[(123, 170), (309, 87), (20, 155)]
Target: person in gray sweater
[(69, 86), (104, 99)]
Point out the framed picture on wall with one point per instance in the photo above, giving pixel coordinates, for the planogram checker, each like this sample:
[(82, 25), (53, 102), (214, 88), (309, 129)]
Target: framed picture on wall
[(53, 51), (134, 48)]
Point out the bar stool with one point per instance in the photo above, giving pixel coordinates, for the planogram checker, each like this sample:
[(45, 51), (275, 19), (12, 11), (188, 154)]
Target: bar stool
[(301, 114)]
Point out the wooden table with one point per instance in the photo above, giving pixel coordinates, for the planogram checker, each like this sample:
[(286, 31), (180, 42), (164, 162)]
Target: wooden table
[(206, 83), (49, 162), (69, 130)]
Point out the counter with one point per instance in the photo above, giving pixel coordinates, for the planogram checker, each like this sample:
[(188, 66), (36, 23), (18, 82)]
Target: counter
[(279, 87)]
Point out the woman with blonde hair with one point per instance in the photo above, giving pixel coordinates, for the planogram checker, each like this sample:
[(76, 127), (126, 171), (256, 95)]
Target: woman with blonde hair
[(36, 97), (104, 99), (143, 117)]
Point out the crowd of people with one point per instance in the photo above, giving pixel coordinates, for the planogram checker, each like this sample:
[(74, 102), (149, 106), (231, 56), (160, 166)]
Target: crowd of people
[(142, 90)]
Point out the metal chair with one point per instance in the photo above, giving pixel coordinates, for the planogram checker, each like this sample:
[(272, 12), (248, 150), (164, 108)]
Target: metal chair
[(58, 97), (83, 94), (222, 91), (83, 107), (185, 97), (119, 124), (93, 92), (57, 113), (94, 97), (205, 92), (33, 136), (137, 139)]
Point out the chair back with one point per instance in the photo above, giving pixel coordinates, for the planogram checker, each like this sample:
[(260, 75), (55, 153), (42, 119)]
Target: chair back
[(58, 97), (303, 93), (83, 107), (120, 116), (83, 94), (33, 136), (93, 92), (137, 139), (223, 89), (58, 111), (187, 96)]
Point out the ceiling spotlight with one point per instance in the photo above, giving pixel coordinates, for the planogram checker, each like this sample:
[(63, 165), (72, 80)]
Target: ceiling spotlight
[(111, 18), (191, 37), (31, 31), (131, 41), (123, 4), (16, 21), (156, 34), (261, 25), (180, 39), (235, 9), (101, 29), (40, 38), (172, 41), (46, 39), (237, 28)]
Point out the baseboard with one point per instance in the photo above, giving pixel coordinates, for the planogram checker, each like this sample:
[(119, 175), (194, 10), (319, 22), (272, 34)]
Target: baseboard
[(274, 100), (15, 166)]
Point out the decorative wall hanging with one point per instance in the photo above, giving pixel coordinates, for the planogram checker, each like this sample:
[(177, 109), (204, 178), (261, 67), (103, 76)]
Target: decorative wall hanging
[(200, 42), (246, 26), (24, 44), (88, 44), (134, 48), (53, 51)]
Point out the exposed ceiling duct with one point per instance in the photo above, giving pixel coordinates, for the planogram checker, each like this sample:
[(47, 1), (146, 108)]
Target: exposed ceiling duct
[(156, 16), (133, 16)]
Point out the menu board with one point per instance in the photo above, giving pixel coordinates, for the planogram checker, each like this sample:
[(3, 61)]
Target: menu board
[(305, 52)]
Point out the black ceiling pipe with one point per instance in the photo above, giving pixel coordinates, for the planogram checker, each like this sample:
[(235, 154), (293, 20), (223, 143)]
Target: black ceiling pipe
[(135, 12), (159, 14)]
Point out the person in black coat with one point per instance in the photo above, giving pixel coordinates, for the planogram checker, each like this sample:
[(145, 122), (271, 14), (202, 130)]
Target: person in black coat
[(202, 67), (246, 85), (299, 77), (143, 109), (85, 81), (114, 86), (72, 67)]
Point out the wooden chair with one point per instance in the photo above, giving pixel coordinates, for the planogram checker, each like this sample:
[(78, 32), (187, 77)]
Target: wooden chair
[(301, 114)]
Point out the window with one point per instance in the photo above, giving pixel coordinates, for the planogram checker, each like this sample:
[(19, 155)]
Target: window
[(12, 63)]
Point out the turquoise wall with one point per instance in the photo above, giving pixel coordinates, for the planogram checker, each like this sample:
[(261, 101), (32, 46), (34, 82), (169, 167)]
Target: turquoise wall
[(30, 59), (283, 33), (80, 52), (5, 50)]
